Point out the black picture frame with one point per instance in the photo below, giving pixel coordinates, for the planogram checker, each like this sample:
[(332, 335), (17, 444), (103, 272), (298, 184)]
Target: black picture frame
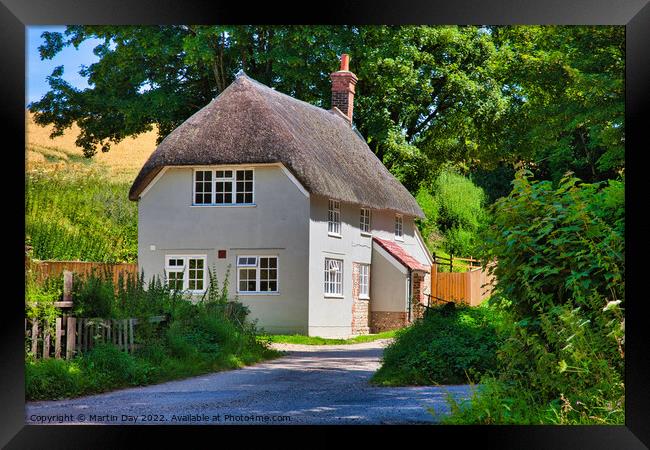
[(15, 15)]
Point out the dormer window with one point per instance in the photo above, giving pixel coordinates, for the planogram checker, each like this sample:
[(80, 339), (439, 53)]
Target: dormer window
[(223, 187)]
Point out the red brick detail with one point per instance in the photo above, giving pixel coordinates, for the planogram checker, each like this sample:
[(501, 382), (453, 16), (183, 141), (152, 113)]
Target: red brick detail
[(360, 307), (421, 283), (343, 85), (381, 321)]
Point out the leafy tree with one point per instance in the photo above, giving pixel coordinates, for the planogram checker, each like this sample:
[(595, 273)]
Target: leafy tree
[(567, 111), (426, 94), (477, 98)]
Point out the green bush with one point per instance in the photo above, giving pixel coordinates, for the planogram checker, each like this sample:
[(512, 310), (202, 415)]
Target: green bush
[(448, 346), (561, 281), (52, 379), (93, 296), (115, 365)]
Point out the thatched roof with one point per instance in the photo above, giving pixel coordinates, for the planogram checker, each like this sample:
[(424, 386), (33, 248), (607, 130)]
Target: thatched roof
[(252, 123)]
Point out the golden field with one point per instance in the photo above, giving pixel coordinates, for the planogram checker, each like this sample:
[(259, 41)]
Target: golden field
[(121, 164)]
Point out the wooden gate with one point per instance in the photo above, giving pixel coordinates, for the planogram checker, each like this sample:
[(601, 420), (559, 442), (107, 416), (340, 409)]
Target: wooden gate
[(471, 287)]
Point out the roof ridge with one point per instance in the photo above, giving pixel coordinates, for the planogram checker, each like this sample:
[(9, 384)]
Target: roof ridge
[(282, 94)]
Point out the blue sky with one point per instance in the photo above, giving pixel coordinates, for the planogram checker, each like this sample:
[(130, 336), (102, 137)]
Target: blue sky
[(71, 59)]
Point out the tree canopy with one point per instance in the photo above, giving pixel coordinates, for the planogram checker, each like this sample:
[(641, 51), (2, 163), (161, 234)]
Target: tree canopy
[(548, 97)]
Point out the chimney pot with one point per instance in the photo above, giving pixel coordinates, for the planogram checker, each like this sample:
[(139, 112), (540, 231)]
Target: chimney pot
[(345, 62)]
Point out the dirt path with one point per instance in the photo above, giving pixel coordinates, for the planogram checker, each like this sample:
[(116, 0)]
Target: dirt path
[(310, 385)]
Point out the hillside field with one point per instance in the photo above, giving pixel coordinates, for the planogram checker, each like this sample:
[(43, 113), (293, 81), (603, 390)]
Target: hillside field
[(78, 208)]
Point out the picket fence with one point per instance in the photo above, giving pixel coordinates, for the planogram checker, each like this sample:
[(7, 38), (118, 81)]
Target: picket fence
[(68, 336)]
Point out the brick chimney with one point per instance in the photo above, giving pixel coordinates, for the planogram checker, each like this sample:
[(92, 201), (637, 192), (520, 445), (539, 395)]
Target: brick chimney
[(343, 83)]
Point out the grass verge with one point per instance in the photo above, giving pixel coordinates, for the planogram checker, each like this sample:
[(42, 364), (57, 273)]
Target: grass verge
[(316, 340), (106, 368)]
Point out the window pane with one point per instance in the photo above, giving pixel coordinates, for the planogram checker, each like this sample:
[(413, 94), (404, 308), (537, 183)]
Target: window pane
[(248, 198), (264, 286), (240, 198)]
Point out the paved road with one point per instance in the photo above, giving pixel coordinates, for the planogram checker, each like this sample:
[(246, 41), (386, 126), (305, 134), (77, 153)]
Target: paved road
[(310, 385)]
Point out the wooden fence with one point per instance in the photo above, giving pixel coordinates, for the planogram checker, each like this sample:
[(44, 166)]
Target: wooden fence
[(44, 269), (70, 335), (471, 287)]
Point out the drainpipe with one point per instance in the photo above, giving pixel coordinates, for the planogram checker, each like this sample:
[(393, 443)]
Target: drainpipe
[(408, 293)]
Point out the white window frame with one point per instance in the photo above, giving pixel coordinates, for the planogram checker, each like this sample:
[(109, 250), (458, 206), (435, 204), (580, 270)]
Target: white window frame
[(334, 218), (399, 227), (232, 180), (365, 220), (258, 274), (210, 191), (185, 270), (330, 286), (364, 280)]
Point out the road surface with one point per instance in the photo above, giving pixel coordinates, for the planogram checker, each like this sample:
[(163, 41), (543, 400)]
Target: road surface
[(310, 385)]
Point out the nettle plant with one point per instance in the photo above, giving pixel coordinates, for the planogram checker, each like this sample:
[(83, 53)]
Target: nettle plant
[(561, 277)]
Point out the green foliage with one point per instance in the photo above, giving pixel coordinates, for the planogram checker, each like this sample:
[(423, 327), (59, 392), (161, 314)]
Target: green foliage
[(39, 301), (79, 217), (559, 246), (496, 182), (454, 209), (448, 346), (209, 335), (568, 104), (561, 281)]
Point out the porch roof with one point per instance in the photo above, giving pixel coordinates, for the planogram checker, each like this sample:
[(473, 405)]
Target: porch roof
[(401, 255)]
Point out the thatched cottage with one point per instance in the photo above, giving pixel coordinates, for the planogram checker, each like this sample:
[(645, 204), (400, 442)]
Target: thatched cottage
[(319, 237)]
